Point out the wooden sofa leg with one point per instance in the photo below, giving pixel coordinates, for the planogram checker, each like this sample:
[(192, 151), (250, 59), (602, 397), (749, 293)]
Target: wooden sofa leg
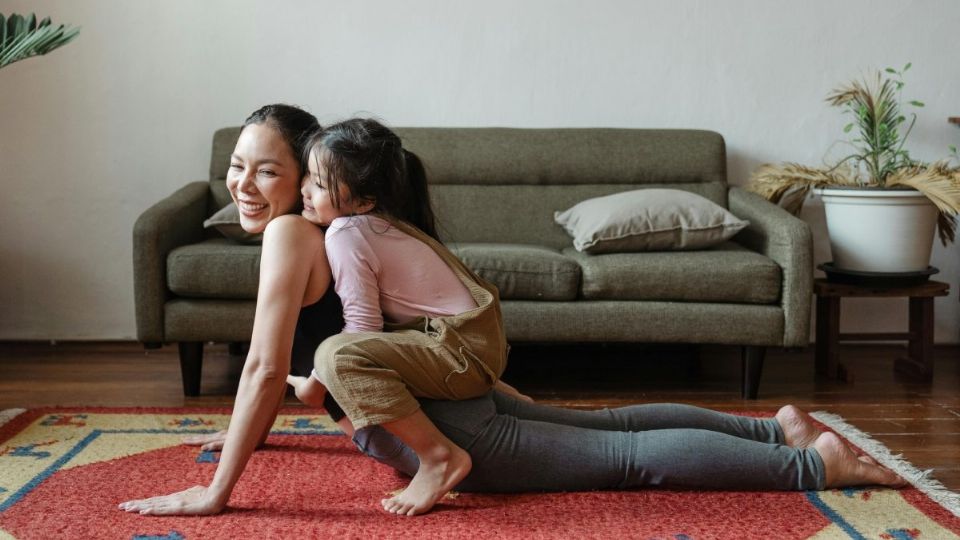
[(191, 365), (752, 368)]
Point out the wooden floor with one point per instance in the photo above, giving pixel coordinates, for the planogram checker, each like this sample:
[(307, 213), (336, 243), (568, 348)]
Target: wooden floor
[(920, 420)]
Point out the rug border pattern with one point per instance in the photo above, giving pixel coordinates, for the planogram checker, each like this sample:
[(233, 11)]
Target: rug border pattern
[(920, 479)]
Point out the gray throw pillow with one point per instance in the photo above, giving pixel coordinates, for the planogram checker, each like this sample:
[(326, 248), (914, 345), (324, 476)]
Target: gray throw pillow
[(648, 220), (227, 221)]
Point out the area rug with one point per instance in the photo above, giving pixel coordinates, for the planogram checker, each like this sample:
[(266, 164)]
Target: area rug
[(63, 471)]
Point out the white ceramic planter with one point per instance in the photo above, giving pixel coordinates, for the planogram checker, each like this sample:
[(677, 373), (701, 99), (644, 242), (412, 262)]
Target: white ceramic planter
[(879, 230)]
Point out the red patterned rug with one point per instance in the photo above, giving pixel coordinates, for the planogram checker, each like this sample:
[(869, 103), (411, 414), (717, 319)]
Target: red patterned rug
[(63, 471)]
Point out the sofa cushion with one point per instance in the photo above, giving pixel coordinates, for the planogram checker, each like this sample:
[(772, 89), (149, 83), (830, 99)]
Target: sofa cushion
[(648, 220), (522, 272), (214, 268), (227, 222), (725, 273)]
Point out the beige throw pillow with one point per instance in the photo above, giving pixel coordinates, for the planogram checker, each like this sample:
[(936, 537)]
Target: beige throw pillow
[(227, 221), (648, 220)]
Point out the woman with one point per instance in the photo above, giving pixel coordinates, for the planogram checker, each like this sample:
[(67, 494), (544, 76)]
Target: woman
[(514, 445)]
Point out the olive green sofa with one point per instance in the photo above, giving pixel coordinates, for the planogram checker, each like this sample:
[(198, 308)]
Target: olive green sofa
[(495, 191)]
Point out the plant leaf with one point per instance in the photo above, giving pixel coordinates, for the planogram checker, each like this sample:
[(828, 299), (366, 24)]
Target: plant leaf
[(890, 70), (24, 38), (916, 103), (906, 67)]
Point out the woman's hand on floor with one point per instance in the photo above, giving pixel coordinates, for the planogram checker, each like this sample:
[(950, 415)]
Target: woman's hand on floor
[(195, 501)]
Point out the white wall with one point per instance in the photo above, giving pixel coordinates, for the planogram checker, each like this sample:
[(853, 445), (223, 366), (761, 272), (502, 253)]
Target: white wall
[(98, 131)]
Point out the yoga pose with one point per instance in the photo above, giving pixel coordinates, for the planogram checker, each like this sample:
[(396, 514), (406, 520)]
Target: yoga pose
[(514, 445)]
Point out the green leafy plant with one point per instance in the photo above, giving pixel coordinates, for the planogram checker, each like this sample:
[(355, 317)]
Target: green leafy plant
[(879, 159), (875, 106), (23, 37)]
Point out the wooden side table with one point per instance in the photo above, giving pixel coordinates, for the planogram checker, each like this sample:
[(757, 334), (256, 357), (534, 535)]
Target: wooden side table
[(919, 361)]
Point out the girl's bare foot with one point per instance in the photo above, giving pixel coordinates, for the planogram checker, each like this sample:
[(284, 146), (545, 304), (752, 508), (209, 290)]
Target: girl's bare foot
[(844, 469), (308, 390), (437, 475), (799, 429), (208, 442)]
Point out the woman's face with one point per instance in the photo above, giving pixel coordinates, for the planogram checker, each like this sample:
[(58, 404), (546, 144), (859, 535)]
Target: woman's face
[(317, 206), (263, 177)]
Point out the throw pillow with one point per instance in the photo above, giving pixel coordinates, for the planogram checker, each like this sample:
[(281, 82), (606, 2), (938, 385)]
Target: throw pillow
[(227, 221), (648, 220)]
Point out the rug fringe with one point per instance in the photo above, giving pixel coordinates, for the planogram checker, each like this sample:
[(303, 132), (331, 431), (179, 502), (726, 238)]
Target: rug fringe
[(9, 414), (920, 479)]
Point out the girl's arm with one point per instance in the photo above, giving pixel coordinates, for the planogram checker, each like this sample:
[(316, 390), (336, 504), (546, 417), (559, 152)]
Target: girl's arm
[(292, 266)]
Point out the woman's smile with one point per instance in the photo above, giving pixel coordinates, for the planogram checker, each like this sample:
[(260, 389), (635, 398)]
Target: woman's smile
[(251, 208)]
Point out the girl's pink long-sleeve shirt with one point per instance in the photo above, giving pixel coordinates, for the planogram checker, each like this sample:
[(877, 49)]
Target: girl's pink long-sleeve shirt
[(382, 273)]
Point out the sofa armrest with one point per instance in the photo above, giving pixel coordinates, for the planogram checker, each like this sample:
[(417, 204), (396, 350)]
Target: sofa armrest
[(787, 240), (170, 223)]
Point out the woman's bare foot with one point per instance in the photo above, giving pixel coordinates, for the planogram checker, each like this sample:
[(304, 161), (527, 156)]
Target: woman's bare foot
[(799, 429), (844, 469), (437, 475), (208, 442), (308, 390)]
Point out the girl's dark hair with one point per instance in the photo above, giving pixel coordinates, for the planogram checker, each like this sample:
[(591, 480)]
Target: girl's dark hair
[(294, 124), (369, 160)]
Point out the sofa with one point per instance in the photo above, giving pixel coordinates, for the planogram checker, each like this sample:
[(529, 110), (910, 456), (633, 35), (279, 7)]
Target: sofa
[(496, 191)]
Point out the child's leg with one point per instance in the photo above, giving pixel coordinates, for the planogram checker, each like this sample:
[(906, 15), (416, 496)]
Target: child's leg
[(443, 465), (374, 377)]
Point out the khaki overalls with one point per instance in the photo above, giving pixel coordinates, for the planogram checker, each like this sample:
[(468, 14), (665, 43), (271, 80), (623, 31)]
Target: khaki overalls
[(374, 376)]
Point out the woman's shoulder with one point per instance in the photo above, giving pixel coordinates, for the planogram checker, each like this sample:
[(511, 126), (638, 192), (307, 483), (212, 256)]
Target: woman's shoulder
[(291, 225)]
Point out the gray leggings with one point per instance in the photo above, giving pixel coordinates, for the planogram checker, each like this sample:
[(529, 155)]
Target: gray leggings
[(518, 446)]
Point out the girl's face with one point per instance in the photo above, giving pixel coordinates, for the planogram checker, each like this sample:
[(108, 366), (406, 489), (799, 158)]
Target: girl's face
[(263, 177), (317, 204)]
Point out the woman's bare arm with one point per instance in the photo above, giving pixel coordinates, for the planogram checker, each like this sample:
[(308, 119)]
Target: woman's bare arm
[(292, 270)]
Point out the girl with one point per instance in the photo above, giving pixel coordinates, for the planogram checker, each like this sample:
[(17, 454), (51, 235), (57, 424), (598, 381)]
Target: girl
[(417, 321)]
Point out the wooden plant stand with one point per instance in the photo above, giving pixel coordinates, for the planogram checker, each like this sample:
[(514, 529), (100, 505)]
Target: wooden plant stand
[(919, 361)]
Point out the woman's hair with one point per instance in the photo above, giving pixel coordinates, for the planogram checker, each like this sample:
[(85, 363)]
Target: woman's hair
[(294, 125), (369, 160)]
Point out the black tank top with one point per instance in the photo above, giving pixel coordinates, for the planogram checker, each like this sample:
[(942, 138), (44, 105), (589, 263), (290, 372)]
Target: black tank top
[(316, 323)]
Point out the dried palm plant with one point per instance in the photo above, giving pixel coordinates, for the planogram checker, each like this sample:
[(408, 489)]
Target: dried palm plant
[(787, 184), (23, 37), (879, 160), (941, 184)]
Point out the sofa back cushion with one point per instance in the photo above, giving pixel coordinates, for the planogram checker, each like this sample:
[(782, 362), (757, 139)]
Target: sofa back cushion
[(504, 184)]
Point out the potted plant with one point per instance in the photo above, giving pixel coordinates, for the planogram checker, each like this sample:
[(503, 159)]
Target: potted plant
[(23, 37), (881, 205)]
